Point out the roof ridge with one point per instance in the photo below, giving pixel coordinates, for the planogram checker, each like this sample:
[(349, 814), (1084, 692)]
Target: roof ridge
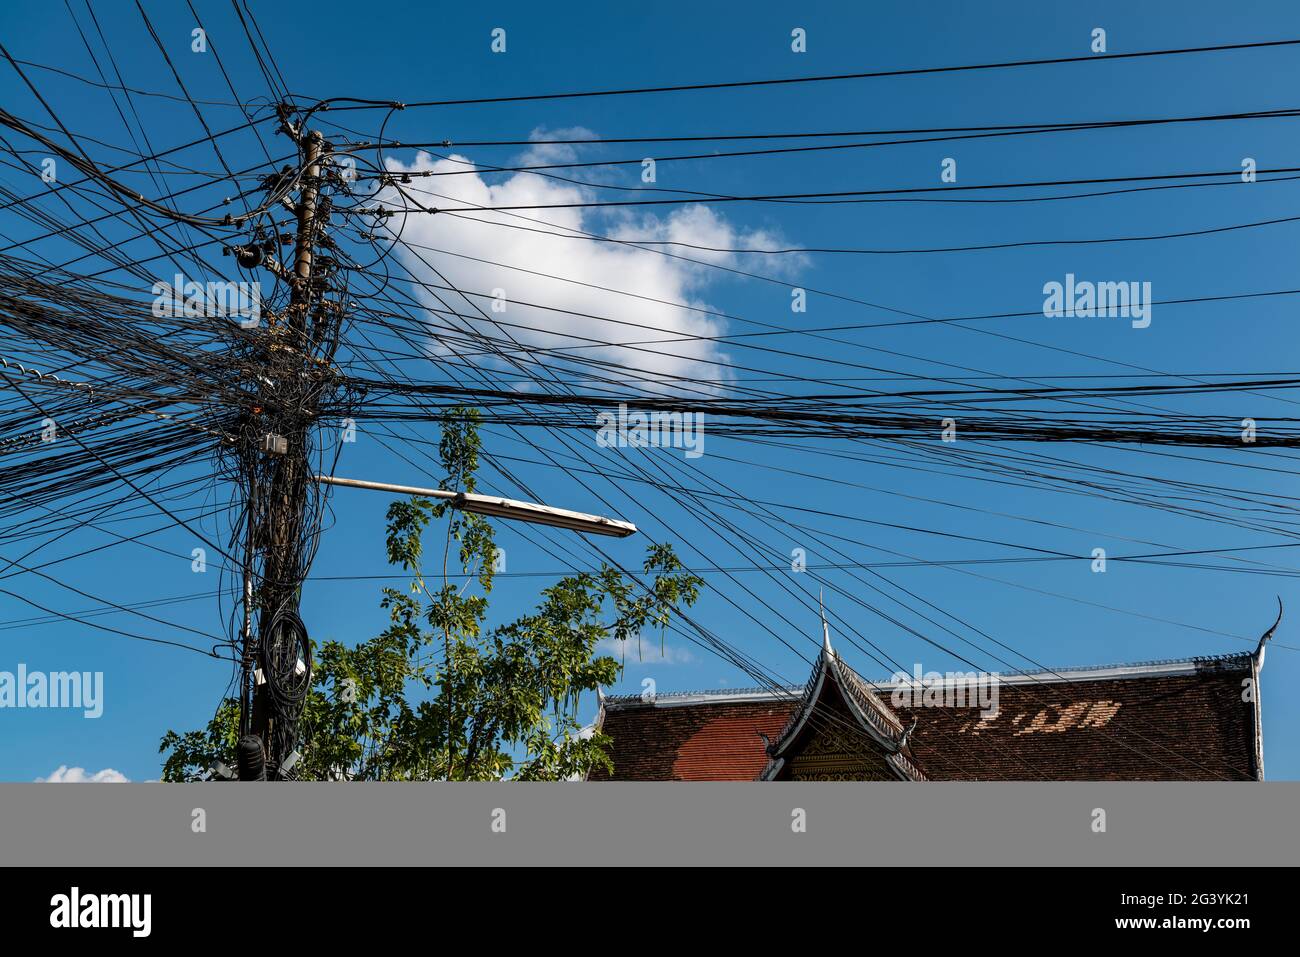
[(1146, 663), (797, 690), (719, 692)]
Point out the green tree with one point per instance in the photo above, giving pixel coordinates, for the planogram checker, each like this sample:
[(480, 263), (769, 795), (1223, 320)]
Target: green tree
[(441, 695)]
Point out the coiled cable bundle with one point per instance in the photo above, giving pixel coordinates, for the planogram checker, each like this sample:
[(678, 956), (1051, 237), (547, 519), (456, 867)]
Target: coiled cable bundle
[(286, 662)]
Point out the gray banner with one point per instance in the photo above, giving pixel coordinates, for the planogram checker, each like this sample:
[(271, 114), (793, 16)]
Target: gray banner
[(1181, 824)]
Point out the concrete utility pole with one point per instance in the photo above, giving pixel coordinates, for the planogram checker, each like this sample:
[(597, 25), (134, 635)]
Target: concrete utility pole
[(283, 521), (301, 294), (293, 363)]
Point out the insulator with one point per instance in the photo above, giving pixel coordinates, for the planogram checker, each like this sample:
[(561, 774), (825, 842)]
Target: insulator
[(250, 257)]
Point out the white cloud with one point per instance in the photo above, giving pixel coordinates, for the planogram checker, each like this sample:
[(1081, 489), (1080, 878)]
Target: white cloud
[(542, 153), (68, 775), (640, 272), (648, 652)]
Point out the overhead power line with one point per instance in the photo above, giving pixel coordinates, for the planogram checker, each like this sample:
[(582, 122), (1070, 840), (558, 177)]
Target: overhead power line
[(835, 77)]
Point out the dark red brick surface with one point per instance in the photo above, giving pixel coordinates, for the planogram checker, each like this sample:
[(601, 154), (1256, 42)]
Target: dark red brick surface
[(1162, 727), (712, 742)]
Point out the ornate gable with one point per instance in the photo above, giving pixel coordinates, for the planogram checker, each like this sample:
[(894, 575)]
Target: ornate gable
[(840, 731)]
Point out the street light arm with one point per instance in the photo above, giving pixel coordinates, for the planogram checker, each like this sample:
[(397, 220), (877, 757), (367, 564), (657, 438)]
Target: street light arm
[(498, 507)]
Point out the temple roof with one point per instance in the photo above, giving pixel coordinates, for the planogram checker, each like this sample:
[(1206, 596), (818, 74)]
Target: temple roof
[(1181, 719)]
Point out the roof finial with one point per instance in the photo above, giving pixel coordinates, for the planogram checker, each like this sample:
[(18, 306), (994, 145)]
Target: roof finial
[(826, 629), (1259, 649), (906, 735)]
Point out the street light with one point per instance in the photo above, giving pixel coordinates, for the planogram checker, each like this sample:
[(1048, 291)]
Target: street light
[(500, 507)]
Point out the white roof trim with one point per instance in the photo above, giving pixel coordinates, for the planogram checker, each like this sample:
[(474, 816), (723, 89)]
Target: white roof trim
[(794, 694), (1079, 674), (701, 697), (1255, 665)]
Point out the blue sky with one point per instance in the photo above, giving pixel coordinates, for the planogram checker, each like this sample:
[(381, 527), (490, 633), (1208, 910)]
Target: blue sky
[(1058, 613)]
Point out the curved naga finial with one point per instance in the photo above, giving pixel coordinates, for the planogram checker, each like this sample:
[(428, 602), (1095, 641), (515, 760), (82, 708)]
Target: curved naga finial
[(906, 736), (1259, 649)]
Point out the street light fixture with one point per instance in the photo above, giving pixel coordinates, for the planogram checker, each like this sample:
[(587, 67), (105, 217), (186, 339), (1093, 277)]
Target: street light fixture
[(500, 507)]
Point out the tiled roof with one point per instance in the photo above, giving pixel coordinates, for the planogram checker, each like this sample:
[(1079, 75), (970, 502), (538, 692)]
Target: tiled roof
[(1170, 720)]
